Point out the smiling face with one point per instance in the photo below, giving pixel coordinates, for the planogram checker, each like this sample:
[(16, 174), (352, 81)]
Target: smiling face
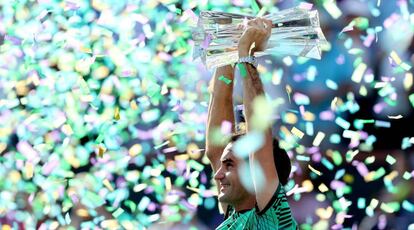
[(231, 191)]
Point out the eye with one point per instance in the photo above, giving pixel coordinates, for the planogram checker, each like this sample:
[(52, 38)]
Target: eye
[(229, 165)]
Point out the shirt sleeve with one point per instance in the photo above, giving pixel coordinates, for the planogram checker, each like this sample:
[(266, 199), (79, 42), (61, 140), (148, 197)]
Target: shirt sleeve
[(277, 213)]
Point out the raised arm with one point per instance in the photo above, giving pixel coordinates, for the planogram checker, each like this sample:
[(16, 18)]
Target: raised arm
[(220, 109), (258, 32)]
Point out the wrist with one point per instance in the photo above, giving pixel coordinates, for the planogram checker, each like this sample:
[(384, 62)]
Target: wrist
[(244, 51), (227, 71), (248, 59), (243, 54)]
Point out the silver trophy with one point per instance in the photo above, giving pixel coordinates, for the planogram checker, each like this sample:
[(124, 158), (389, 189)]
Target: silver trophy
[(295, 31)]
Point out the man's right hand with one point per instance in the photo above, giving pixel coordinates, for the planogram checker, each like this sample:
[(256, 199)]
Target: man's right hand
[(258, 31)]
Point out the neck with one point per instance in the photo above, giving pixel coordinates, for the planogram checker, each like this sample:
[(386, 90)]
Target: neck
[(245, 204)]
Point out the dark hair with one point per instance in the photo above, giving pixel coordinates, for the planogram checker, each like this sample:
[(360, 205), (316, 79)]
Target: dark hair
[(280, 157)]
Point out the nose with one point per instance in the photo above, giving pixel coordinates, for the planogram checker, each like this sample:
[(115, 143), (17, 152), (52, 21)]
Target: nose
[(219, 174)]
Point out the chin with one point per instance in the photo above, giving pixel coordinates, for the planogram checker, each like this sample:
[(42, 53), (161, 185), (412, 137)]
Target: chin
[(222, 198)]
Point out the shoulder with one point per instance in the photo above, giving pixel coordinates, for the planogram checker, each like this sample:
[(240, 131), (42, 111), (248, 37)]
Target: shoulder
[(278, 197), (238, 220), (278, 211)]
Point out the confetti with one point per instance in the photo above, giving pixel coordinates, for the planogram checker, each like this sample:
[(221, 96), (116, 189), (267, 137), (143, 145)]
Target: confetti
[(29, 170), (101, 150), (262, 113), (349, 27), (384, 124), (305, 5), (369, 160), (359, 72), (342, 123), (399, 116), (322, 187), (225, 80), (315, 171), (297, 132), (309, 128), (135, 150), (407, 175), (242, 69), (67, 218), (318, 139), (254, 6), (336, 156), (246, 171), (248, 144), (118, 212), (351, 154), (302, 158), (116, 114), (300, 99), (139, 187), (196, 165), (334, 104), (289, 91), (408, 81), (226, 127), (161, 145), (332, 9), (143, 204), (374, 175), (85, 101), (390, 160), (206, 193), (390, 207), (108, 185), (411, 98), (394, 56), (331, 84), (327, 163), (361, 203), (408, 206)]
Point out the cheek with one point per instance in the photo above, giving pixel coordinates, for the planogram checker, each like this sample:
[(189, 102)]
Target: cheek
[(233, 177)]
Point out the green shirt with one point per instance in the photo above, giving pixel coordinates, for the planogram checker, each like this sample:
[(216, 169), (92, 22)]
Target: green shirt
[(276, 215)]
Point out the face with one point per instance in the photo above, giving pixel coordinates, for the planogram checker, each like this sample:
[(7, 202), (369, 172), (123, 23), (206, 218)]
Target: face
[(231, 191)]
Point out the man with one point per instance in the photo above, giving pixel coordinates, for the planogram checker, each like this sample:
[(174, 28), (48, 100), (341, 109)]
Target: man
[(266, 207)]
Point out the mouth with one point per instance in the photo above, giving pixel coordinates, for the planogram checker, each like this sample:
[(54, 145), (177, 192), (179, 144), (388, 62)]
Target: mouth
[(223, 187)]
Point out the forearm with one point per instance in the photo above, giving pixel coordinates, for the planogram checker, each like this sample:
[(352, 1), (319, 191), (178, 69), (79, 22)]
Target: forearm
[(263, 157), (262, 167), (252, 87), (220, 107)]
